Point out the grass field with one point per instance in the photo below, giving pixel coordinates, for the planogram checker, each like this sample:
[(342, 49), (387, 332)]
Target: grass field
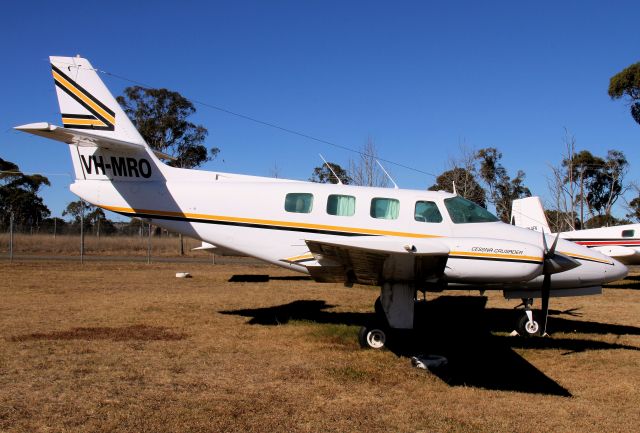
[(128, 347)]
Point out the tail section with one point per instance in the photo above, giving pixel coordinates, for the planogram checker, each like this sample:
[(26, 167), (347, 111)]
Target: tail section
[(103, 142), (529, 213), (86, 103)]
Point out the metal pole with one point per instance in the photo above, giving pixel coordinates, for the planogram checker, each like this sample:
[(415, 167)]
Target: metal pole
[(149, 245), (81, 231), (11, 237), (55, 226)]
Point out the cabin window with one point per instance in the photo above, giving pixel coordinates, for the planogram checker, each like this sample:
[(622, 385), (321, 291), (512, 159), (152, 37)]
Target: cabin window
[(341, 205), (385, 208), (463, 211), (427, 212), (298, 202), (628, 233)]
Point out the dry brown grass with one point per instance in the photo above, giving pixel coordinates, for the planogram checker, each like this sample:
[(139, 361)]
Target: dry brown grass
[(69, 245), (128, 347)]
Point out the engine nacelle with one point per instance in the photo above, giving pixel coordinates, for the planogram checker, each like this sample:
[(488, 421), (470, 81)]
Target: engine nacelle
[(485, 260)]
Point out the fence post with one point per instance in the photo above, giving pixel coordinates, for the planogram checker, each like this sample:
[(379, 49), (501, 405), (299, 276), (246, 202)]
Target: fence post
[(149, 245), (81, 231), (11, 237)]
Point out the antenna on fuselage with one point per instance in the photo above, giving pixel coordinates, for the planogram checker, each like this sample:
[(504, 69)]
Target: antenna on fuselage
[(330, 169), (395, 185)]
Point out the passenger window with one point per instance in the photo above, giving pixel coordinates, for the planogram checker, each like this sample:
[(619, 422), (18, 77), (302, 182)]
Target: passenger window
[(427, 211), (298, 202), (341, 205), (628, 233), (385, 208)]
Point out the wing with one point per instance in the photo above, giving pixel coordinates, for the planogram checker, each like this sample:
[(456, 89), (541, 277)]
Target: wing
[(375, 260)]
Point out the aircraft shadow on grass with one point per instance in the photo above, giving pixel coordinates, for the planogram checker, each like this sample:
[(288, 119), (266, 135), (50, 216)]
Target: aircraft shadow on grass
[(461, 329)]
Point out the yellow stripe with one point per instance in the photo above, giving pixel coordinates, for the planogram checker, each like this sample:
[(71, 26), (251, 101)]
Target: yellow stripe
[(335, 228), (67, 85), (580, 256), (74, 121), (271, 222), (302, 257), (495, 256)]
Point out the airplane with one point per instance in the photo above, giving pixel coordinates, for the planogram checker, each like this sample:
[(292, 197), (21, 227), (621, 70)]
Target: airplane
[(620, 242), (404, 241)]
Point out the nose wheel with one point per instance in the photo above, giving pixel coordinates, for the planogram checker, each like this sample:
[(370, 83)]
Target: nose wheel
[(527, 325)]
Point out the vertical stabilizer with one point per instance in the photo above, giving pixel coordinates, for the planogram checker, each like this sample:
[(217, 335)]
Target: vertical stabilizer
[(86, 103), (529, 213)]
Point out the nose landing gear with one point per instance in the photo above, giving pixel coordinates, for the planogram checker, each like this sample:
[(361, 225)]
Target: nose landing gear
[(527, 325)]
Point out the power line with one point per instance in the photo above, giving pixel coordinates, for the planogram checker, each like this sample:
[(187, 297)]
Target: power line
[(275, 126)]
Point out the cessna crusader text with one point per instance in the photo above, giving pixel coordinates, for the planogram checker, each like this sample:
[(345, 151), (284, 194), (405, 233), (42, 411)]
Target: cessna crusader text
[(497, 250), (118, 166)]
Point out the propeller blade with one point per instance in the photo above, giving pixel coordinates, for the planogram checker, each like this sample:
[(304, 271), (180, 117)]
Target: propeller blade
[(553, 247), (546, 292)]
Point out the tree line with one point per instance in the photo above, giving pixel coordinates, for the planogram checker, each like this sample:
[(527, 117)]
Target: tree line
[(583, 187)]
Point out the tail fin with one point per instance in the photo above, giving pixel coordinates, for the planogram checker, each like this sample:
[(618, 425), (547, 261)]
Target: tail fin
[(529, 213), (103, 142), (86, 103)]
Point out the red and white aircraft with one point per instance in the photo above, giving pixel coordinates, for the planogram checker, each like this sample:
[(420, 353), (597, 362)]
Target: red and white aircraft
[(620, 242)]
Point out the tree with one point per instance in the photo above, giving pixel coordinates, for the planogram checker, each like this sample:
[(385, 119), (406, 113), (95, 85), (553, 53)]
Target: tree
[(604, 221), (322, 174), (465, 182), (607, 185), (365, 171), (94, 217), (19, 196), (502, 189), (634, 209), (627, 83), (161, 116)]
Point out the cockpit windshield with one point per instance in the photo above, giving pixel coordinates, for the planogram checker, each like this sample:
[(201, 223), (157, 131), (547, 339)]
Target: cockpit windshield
[(463, 211)]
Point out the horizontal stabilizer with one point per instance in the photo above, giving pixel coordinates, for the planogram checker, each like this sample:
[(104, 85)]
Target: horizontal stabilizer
[(83, 139)]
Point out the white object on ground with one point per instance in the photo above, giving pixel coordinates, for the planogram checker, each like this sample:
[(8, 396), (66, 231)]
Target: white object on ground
[(428, 361)]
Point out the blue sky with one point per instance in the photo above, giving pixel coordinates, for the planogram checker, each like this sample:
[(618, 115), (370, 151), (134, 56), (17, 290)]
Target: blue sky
[(418, 77)]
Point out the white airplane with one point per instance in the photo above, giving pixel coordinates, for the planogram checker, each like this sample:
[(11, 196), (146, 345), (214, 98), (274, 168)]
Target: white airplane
[(620, 242), (401, 240)]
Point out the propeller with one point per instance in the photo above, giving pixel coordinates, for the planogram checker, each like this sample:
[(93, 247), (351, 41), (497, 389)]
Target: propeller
[(553, 263)]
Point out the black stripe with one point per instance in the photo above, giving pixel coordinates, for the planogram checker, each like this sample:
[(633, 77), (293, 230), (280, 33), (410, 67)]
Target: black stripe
[(495, 259), (238, 224), (83, 90), (94, 127), (78, 116), (109, 126)]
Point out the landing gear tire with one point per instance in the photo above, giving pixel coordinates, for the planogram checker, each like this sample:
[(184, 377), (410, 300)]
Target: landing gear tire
[(527, 328), (372, 337)]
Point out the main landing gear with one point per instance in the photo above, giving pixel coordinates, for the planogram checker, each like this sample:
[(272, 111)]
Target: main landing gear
[(394, 312), (374, 334), (527, 325)]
